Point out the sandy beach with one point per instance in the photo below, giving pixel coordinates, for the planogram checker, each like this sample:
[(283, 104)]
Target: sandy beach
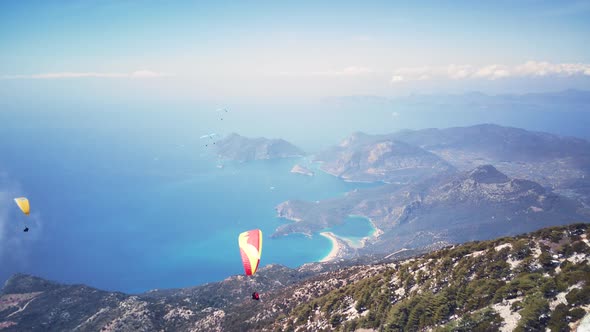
[(335, 247)]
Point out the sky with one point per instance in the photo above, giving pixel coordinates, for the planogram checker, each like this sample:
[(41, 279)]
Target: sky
[(262, 50)]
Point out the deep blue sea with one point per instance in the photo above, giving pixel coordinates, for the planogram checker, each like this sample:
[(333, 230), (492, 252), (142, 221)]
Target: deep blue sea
[(129, 215)]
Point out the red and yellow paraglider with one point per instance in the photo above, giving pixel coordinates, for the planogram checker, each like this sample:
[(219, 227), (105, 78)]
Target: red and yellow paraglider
[(250, 243)]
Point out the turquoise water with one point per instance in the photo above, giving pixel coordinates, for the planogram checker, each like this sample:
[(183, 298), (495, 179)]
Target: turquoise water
[(130, 214), (354, 228)]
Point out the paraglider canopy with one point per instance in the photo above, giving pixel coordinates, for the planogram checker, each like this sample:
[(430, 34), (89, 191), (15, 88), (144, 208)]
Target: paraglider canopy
[(250, 243), (209, 136), (23, 204)]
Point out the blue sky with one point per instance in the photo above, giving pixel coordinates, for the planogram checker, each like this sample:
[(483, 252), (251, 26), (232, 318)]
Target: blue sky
[(263, 49)]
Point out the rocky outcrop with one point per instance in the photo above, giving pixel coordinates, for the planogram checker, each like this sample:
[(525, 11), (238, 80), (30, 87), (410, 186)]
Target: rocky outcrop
[(298, 169)]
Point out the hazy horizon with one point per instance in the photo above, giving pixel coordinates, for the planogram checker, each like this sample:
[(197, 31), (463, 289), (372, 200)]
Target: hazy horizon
[(183, 50)]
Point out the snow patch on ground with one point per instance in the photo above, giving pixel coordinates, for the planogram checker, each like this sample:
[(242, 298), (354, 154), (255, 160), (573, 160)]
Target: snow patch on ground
[(210, 323), (536, 251), (502, 246), (394, 280), (577, 258), (7, 324), (351, 313), (510, 318), (583, 325), (513, 262), (560, 298), (181, 313), (91, 318), (476, 253)]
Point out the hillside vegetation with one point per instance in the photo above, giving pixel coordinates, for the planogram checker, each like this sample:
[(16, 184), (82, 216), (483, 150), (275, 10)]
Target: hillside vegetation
[(525, 283), (530, 282)]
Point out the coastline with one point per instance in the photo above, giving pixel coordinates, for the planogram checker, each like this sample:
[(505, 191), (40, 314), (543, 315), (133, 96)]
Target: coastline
[(345, 179), (336, 247), (341, 245)]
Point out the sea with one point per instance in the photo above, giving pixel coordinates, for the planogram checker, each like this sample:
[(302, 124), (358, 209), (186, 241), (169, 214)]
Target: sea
[(131, 212)]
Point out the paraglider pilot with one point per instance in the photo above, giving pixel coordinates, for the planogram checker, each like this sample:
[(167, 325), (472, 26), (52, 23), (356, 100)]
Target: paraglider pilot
[(250, 243)]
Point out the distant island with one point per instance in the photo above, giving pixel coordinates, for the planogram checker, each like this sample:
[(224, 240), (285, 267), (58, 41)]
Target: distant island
[(298, 169), (240, 148)]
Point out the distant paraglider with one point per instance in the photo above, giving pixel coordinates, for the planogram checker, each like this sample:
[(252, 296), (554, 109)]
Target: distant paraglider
[(210, 136), (222, 110), (214, 136), (24, 206)]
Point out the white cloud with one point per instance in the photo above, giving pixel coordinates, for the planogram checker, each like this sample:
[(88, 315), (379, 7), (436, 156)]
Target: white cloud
[(490, 72), (397, 78), (65, 75), (147, 74), (345, 72)]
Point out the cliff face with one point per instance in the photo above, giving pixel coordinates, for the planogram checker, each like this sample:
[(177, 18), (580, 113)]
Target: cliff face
[(239, 148), (530, 282), (298, 169)]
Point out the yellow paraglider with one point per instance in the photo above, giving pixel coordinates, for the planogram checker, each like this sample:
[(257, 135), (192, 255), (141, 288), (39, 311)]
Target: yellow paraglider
[(23, 204)]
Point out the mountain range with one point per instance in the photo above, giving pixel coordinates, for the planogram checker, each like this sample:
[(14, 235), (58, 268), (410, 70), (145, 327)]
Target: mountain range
[(450, 185)]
